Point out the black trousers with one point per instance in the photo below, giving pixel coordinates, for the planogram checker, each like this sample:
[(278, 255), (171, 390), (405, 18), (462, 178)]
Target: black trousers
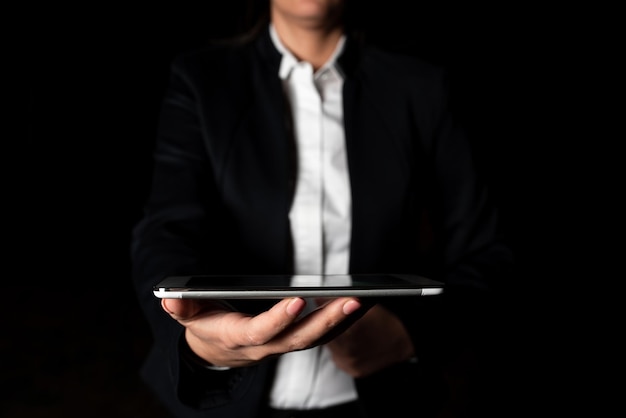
[(347, 410)]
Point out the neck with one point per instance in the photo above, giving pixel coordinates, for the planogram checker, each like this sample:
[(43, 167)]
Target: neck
[(310, 43)]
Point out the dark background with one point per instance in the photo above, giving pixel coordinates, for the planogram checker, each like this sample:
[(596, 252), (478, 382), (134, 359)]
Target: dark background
[(93, 77)]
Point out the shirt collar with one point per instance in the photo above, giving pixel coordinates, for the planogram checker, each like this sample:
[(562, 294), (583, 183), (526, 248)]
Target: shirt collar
[(289, 61)]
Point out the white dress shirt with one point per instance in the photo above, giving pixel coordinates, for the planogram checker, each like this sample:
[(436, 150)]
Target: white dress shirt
[(320, 219)]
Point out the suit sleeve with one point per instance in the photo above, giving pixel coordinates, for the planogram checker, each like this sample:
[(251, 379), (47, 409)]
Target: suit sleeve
[(473, 257), (182, 212), (470, 241)]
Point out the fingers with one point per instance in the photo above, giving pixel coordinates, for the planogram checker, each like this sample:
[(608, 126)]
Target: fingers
[(266, 325), (350, 306), (329, 319), (227, 337), (295, 307), (306, 331), (282, 329), (184, 310), (179, 309)]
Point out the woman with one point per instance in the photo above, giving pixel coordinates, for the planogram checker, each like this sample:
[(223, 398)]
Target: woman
[(303, 150)]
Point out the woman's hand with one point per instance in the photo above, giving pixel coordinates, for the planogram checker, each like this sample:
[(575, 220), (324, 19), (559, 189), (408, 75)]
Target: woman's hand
[(377, 340), (226, 338)]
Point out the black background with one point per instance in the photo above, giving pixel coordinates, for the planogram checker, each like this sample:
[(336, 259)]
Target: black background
[(91, 80)]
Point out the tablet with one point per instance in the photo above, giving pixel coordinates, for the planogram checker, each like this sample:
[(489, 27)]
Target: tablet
[(281, 286)]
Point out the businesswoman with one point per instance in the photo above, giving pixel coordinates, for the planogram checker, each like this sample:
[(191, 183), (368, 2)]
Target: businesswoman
[(302, 150)]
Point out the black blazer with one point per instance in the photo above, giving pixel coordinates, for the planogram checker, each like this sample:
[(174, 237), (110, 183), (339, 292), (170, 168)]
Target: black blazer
[(223, 182)]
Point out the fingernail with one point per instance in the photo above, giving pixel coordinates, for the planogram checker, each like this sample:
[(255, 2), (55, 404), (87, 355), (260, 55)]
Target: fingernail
[(351, 306), (295, 306)]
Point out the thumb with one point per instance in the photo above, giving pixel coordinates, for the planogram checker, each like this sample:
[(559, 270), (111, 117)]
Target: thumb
[(180, 309)]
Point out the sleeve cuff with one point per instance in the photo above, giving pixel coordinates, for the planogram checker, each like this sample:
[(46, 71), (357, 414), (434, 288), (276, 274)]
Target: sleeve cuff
[(193, 360)]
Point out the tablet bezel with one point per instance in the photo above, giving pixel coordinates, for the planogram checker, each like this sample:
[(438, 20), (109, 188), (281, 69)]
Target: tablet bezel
[(259, 286)]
